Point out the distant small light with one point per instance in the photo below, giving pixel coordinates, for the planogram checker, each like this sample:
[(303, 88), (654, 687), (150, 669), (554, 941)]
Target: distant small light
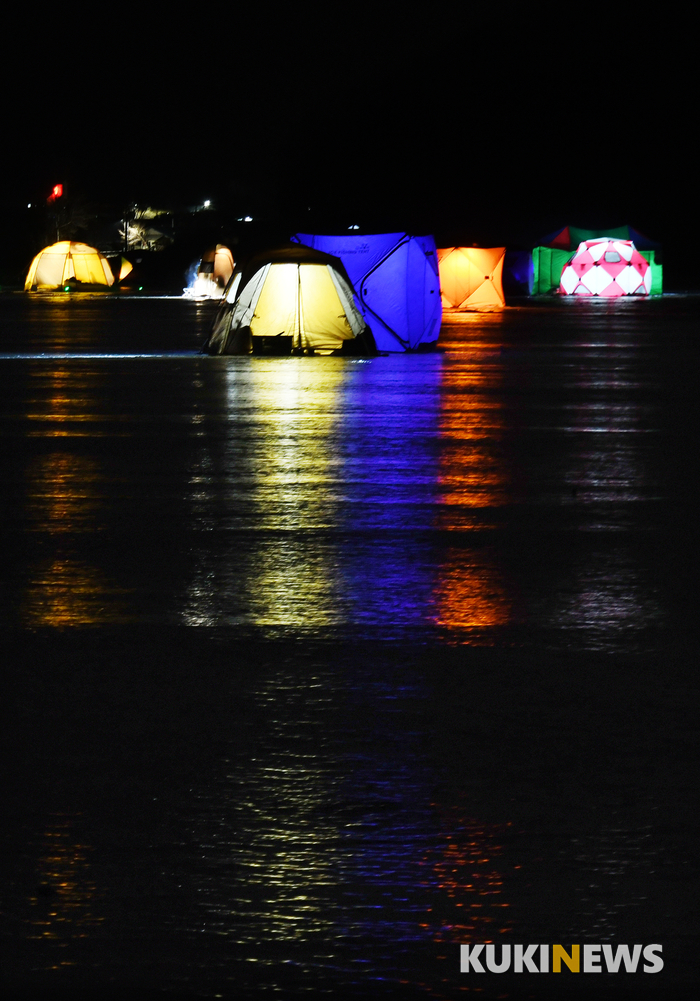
[(29, 205), (248, 218), (353, 227), (207, 204)]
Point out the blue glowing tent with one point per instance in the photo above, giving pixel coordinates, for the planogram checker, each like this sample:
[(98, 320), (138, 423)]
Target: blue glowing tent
[(396, 281)]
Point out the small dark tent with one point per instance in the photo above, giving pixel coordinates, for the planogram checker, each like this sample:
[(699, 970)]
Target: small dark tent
[(395, 276), (293, 300), (213, 273)]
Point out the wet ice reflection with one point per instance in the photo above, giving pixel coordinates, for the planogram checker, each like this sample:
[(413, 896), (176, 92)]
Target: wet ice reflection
[(605, 593), (266, 489), (65, 497), (390, 497), (265, 833), (64, 906), (607, 461), (471, 591), (65, 591), (319, 467), (611, 870), (467, 879), (320, 848)]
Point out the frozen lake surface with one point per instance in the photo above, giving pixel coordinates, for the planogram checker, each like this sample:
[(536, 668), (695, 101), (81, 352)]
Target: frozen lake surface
[(317, 667)]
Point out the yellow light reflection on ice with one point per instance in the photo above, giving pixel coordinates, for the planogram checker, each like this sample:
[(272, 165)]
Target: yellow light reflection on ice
[(275, 827), (283, 485)]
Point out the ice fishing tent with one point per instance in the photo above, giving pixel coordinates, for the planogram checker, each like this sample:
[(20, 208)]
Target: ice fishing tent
[(606, 267), (570, 237), (293, 300), (517, 268), (68, 263), (396, 280), (471, 277), (213, 273), (557, 249)]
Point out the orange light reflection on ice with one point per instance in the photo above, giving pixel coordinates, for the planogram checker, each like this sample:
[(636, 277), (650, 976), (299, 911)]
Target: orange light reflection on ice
[(64, 497), (70, 592), (470, 592), (64, 900), (467, 875)]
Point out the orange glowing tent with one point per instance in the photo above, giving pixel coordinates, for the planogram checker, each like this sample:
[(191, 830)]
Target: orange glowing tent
[(471, 277)]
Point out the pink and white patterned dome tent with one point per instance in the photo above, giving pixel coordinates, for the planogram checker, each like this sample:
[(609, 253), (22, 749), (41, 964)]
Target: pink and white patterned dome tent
[(606, 267)]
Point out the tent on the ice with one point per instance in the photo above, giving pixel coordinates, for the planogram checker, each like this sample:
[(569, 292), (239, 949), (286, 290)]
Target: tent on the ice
[(570, 237), (293, 300), (68, 263), (213, 273), (396, 281), (606, 267), (557, 249), (471, 277)]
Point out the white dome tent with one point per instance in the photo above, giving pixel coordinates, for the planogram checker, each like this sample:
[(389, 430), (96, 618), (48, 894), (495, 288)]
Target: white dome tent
[(71, 263)]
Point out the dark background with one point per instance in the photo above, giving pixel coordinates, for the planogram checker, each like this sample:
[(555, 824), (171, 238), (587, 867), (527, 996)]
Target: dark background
[(490, 128)]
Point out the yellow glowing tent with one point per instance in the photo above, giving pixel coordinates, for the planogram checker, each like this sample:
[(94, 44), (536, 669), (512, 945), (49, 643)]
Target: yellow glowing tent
[(471, 277), (66, 262), (290, 301)]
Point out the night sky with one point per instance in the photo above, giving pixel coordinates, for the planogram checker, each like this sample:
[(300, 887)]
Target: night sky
[(480, 128)]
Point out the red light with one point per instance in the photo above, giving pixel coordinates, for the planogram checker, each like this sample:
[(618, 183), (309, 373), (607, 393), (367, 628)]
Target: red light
[(56, 192)]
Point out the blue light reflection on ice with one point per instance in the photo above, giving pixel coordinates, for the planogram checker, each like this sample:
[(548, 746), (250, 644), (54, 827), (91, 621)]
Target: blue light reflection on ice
[(330, 473)]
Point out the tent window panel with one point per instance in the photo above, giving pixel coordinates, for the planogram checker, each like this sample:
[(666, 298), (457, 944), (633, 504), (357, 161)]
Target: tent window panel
[(81, 267), (233, 291), (68, 269), (109, 274), (324, 320), (276, 309), (96, 271), (88, 268), (49, 270), (345, 295), (85, 270)]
